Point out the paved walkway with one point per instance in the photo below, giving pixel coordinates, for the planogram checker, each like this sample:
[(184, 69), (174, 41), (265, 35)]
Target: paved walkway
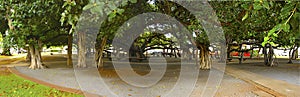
[(282, 71), (60, 76), (63, 77), (280, 80), (66, 77)]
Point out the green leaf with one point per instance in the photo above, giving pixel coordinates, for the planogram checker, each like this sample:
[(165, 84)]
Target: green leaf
[(245, 6), (286, 27), (266, 5), (276, 28), (264, 43), (275, 35), (270, 33), (111, 16), (101, 4), (62, 20), (124, 3), (266, 39), (112, 6), (73, 3), (272, 44), (256, 0), (287, 7), (65, 4), (271, 3), (257, 6), (246, 16), (297, 15), (63, 14), (88, 6), (286, 10), (120, 11), (133, 1)]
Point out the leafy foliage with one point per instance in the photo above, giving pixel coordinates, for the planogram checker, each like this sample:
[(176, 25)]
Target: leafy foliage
[(37, 20), (266, 21)]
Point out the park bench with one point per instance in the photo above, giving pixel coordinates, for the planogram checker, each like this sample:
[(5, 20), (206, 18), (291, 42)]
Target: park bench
[(236, 51)]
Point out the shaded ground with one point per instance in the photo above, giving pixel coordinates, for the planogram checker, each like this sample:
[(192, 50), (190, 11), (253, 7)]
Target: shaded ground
[(232, 87), (4, 60), (282, 71), (60, 74)]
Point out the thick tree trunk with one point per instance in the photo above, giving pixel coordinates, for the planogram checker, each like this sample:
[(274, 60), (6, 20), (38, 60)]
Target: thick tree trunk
[(258, 56), (138, 52), (99, 58), (70, 39), (295, 54), (81, 50), (36, 58), (205, 61), (33, 63), (290, 54)]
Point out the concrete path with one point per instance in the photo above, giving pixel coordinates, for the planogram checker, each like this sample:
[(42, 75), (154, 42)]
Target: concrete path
[(58, 75), (281, 80)]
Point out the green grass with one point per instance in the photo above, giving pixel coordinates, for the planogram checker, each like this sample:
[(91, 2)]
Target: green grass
[(15, 86)]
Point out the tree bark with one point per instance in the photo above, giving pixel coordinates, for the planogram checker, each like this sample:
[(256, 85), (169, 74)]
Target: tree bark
[(100, 53), (295, 54), (205, 61), (258, 56), (70, 39), (81, 50), (290, 54), (36, 58), (33, 63)]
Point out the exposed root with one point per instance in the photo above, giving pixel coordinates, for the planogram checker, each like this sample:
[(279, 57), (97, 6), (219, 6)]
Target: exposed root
[(82, 65)]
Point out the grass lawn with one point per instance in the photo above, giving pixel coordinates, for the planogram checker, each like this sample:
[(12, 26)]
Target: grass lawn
[(15, 86)]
